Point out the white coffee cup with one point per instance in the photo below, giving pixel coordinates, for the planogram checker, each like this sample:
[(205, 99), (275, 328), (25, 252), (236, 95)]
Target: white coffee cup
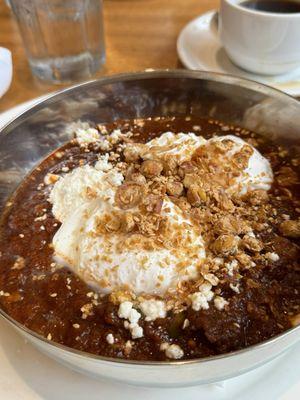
[(260, 42), (6, 70)]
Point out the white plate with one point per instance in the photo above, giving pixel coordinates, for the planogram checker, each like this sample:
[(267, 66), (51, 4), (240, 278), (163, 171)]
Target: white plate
[(27, 374), (199, 47)]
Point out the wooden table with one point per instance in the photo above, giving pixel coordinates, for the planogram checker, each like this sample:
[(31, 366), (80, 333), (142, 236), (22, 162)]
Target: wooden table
[(139, 34)]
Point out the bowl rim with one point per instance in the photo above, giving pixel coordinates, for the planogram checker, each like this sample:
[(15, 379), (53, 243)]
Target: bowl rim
[(131, 76)]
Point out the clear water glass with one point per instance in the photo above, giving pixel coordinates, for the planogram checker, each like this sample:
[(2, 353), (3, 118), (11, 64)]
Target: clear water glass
[(63, 39)]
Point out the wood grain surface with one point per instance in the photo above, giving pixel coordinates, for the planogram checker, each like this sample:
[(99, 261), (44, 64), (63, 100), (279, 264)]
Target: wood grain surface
[(139, 34)]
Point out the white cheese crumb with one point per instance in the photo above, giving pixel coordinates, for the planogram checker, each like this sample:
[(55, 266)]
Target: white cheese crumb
[(205, 288), (103, 164), (49, 336), (124, 309), (231, 266), (153, 309), (272, 256), (220, 303), (132, 317), (199, 301), (115, 136), (76, 326), (87, 136), (110, 338), (136, 331), (172, 350)]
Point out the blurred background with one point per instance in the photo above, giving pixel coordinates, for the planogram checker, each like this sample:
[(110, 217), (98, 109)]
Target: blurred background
[(139, 34)]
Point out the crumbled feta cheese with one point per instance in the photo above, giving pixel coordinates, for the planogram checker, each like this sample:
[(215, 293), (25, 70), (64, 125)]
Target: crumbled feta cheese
[(136, 331), (132, 317), (172, 350), (220, 303), (199, 301), (272, 256), (104, 145), (87, 136), (110, 338), (231, 266), (103, 164), (124, 309), (205, 289), (115, 136), (153, 309)]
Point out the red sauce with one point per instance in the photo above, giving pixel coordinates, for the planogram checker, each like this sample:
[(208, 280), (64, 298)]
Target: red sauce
[(48, 300)]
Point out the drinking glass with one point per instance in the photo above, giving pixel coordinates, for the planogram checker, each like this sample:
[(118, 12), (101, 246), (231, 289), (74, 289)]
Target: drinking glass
[(63, 39)]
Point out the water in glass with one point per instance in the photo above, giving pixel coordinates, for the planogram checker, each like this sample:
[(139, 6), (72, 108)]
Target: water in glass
[(63, 38)]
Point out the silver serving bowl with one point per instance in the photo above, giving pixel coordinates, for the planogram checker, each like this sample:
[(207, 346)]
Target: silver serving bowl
[(37, 132)]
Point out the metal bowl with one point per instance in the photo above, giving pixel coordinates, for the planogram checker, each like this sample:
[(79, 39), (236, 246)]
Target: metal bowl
[(37, 132)]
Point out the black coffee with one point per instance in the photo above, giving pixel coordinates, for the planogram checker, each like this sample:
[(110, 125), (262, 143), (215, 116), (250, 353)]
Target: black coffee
[(274, 6)]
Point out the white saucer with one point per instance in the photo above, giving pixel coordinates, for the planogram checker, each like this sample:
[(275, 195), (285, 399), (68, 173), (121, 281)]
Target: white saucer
[(199, 48), (27, 374)]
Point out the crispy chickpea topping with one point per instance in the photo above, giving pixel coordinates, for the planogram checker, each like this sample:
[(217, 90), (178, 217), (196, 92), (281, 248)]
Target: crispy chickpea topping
[(151, 168), (290, 228), (174, 188), (128, 195), (226, 244)]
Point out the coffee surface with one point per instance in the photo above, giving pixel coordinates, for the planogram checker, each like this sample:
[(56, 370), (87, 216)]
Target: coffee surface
[(273, 6)]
